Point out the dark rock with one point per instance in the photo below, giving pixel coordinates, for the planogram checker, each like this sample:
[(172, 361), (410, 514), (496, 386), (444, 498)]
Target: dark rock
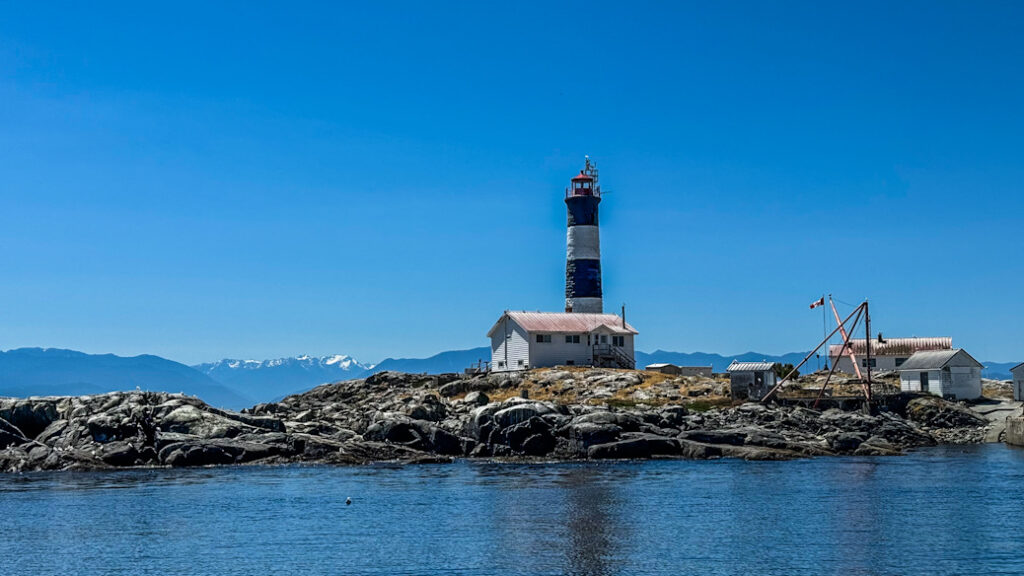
[(876, 446), (756, 453), (520, 412), (454, 388), (514, 436), (214, 452), (627, 422), (538, 445), (477, 398), (430, 409), (672, 416), (10, 436), (443, 442), (106, 428), (638, 446), (938, 413), (30, 416), (847, 441), (120, 454), (734, 438), (404, 432), (697, 451)]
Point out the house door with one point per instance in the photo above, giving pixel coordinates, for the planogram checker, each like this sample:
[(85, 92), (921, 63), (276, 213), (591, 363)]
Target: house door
[(924, 381)]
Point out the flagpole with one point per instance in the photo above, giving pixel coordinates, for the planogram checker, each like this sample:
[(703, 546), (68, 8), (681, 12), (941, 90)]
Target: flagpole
[(824, 331)]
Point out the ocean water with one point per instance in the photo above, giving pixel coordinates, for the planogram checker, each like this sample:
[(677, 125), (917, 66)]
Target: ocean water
[(947, 510)]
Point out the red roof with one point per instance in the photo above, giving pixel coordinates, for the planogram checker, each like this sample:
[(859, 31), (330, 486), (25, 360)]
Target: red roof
[(582, 176), (895, 346), (567, 322)]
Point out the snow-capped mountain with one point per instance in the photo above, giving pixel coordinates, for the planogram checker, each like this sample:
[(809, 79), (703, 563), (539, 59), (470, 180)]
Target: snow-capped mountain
[(269, 379)]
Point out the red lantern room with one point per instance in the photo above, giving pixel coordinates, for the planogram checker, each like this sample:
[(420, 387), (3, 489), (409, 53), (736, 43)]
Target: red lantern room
[(582, 185), (585, 183)]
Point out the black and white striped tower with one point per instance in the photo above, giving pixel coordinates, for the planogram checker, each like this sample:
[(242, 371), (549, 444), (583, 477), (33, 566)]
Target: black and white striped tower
[(583, 244)]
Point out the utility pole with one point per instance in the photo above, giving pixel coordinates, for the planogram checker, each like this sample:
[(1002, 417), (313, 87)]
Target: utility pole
[(867, 351)]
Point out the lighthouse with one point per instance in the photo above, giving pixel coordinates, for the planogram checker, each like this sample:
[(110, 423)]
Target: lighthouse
[(583, 243)]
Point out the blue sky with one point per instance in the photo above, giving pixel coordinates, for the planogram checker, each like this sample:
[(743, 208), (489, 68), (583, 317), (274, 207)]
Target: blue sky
[(208, 180)]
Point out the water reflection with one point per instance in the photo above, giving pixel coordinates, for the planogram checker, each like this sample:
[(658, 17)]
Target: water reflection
[(594, 524)]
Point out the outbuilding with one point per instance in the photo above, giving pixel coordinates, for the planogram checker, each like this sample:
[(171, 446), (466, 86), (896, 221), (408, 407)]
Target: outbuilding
[(751, 380), (524, 340), (664, 368), (886, 354), (1018, 382), (948, 373)]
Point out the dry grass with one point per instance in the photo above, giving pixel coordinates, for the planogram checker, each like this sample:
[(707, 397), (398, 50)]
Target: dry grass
[(654, 389)]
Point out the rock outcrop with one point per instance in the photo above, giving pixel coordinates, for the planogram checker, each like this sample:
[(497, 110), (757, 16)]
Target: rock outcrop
[(588, 414)]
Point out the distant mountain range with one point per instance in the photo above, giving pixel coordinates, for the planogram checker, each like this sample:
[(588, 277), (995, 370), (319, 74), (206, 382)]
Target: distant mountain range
[(52, 371), (237, 384), (267, 380)]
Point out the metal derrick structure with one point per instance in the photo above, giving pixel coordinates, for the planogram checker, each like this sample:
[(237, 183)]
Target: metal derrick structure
[(861, 311)]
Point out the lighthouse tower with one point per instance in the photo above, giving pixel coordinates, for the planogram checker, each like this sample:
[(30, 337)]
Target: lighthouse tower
[(583, 243)]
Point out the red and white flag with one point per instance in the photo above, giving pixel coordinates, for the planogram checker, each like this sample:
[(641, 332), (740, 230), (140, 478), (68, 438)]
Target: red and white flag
[(816, 303)]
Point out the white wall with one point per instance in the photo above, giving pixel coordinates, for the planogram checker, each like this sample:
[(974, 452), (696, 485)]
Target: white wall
[(910, 381), (960, 382), (1018, 384), (964, 383), (885, 363), (558, 353), (518, 348)]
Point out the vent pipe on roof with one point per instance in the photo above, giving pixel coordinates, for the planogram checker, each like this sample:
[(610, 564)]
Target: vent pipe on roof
[(623, 316)]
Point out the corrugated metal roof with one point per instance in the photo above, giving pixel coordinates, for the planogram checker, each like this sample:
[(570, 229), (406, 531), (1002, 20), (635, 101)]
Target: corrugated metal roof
[(895, 346), (933, 359), (566, 322), (750, 366), (659, 365)]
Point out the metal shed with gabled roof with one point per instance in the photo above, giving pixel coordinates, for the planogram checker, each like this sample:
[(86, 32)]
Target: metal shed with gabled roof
[(948, 373), (751, 380)]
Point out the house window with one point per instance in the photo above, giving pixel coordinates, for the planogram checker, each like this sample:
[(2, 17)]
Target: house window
[(864, 362), (543, 338), (520, 362), (501, 364), (570, 362), (572, 339), (604, 339), (619, 341), (900, 361)]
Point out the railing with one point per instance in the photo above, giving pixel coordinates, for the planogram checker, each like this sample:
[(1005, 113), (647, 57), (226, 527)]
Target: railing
[(481, 367), (614, 353), (596, 191)]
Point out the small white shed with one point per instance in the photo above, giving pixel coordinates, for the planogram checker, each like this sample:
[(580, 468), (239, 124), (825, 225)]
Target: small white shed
[(751, 380), (1018, 382), (947, 373)]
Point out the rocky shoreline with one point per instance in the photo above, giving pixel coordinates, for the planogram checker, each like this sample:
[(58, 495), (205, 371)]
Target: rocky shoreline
[(566, 415)]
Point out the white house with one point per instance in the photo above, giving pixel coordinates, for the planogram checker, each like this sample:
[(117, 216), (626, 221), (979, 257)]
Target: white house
[(524, 340), (887, 355), (751, 380), (1018, 382), (947, 373)]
